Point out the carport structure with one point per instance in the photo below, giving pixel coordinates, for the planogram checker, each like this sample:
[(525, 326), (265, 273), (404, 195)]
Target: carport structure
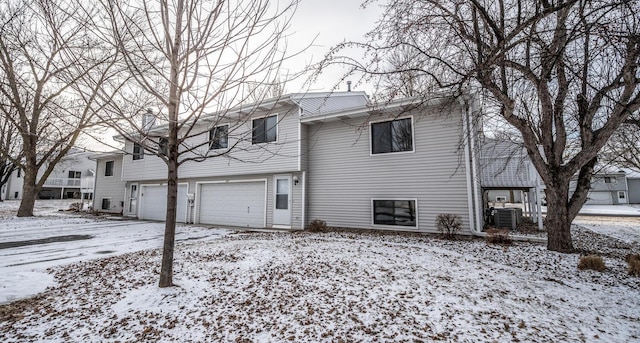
[(508, 176)]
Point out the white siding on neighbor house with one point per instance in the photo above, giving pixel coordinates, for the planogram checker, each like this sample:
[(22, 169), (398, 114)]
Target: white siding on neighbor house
[(634, 191), (109, 186), (344, 177), (245, 158)]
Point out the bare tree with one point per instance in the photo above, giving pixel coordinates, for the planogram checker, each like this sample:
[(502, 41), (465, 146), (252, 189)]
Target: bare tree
[(188, 59), (10, 151), (563, 73), (623, 150), (52, 70)]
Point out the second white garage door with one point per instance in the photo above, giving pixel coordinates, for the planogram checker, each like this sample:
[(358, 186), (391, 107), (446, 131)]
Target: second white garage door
[(232, 204), (153, 202)]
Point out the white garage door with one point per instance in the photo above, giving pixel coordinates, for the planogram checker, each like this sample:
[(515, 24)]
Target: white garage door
[(153, 200), (599, 198), (232, 204)]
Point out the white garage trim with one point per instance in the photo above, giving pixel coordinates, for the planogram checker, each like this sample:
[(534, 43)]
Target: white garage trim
[(199, 195), (141, 204)]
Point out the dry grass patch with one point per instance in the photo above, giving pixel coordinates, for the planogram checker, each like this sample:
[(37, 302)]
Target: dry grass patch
[(592, 262), (499, 236), (633, 264)]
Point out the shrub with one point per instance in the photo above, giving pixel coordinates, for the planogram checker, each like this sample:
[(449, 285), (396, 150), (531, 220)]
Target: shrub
[(633, 264), (448, 225), (498, 236), (76, 206), (317, 225), (593, 262)]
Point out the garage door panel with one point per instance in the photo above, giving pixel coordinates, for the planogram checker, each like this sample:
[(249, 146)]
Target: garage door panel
[(154, 203), (232, 204), (599, 198)]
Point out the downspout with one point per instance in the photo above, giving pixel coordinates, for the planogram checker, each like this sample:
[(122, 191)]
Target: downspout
[(304, 199), (467, 162), (474, 168)]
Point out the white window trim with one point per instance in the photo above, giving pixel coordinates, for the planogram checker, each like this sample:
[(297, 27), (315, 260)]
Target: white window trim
[(413, 137), (112, 169), (208, 134), (142, 153), (101, 204), (394, 226), (277, 129)]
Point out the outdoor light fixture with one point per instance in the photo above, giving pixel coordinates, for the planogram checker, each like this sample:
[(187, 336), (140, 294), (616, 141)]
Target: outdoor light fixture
[(295, 180)]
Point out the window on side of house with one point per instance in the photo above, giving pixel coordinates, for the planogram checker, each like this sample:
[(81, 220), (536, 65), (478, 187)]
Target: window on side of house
[(265, 130), (219, 137), (108, 168), (394, 212), (19, 172), (163, 146), (106, 204), (138, 151), (75, 174), (392, 136)]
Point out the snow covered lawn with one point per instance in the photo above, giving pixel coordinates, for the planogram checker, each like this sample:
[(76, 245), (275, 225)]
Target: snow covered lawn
[(28, 246), (335, 287)]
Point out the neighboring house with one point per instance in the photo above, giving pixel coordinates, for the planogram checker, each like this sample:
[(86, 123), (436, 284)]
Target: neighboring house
[(330, 156), (633, 184), (508, 176), (72, 178), (109, 191), (607, 188)]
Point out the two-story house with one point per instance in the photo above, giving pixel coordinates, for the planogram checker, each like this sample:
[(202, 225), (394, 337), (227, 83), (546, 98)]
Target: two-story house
[(72, 178), (330, 156)]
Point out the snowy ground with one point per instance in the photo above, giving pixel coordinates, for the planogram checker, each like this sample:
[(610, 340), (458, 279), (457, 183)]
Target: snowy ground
[(339, 287), (30, 245)]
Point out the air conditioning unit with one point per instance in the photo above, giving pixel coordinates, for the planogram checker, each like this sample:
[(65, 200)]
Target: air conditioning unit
[(506, 217)]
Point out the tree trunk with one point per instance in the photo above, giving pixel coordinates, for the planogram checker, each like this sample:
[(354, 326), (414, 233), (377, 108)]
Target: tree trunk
[(557, 221), (166, 273), (29, 192)]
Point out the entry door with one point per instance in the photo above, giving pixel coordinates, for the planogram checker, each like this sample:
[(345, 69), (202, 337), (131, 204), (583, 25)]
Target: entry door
[(133, 199), (282, 201), (622, 197)]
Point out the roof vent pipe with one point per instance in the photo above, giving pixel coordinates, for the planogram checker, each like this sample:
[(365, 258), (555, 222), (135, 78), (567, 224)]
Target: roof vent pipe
[(348, 86)]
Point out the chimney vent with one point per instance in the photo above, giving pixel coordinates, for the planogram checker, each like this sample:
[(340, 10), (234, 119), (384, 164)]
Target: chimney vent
[(348, 86)]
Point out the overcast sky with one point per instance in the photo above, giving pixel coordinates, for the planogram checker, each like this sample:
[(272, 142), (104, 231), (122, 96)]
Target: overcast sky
[(333, 21), (329, 22)]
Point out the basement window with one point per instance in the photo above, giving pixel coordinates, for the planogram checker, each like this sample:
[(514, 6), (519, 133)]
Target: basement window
[(394, 212)]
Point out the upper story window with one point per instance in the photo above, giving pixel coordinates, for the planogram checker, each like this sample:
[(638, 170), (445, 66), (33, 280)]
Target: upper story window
[(610, 179), (392, 136), (138, 151), (219, 137), (75, 174), (162, 146), (108, 168), (265, 130)]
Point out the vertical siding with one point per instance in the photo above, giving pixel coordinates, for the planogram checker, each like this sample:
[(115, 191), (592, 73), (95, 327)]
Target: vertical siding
[(343, 176), (109, 186)]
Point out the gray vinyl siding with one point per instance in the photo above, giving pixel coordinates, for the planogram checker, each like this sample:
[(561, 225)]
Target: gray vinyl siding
[(634, 191), (109, 186), (244, 159), (344, 177)]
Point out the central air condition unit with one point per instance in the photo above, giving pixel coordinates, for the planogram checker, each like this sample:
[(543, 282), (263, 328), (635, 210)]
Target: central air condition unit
[(507, 217)]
